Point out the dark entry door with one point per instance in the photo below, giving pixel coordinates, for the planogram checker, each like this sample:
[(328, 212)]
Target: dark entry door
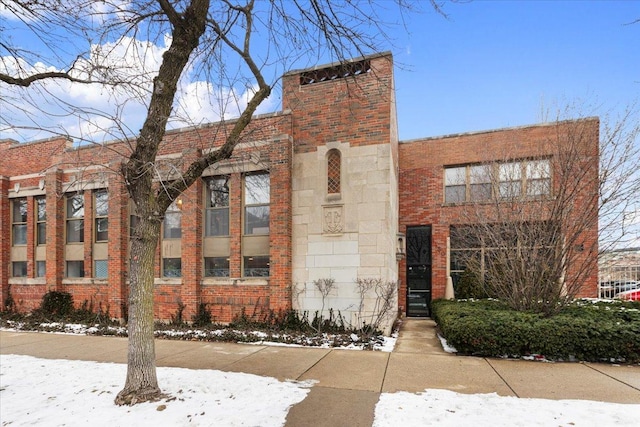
[(419, 271)]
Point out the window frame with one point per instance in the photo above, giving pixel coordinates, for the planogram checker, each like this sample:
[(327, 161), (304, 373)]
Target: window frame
[(166, 268), (95, 268), (174, 210), (79, 263), (259, 204), (19, 225), (24, 268), (100, 217), (224, 269), (212, 209), (73, 219), (254, 271), (507, 180), (40, 203), (334, 172)]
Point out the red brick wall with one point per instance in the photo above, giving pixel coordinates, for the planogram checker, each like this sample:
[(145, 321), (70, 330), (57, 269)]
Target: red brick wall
[(353, 109), (422, 165), (54, 156), (5, 240)]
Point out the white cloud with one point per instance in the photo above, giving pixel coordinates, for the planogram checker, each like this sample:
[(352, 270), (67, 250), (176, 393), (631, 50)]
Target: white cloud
[(95, 112)]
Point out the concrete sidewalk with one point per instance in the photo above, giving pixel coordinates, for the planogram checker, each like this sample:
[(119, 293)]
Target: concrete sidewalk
[(349, 383)]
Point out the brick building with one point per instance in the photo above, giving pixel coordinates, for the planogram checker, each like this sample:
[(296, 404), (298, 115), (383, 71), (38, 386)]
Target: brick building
[(320, 190)]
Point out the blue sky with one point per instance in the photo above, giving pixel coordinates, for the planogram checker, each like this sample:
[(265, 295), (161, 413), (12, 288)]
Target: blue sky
[(496, 64), (491, 64)]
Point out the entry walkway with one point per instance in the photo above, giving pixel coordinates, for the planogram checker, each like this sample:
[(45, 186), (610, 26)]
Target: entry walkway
[(349, 383)]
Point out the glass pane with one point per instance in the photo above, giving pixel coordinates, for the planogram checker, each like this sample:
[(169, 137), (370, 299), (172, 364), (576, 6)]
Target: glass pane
[(538, 169), (19, 269), (75, 268), (509, 189), (256, 189), (172, 225), (418, 245), (455, 176), (75, 231), (20, 234), (218, 192), (216, 267), (102, 203), (41, 203), (102, 228), (480, 192), (480, 174), (172, 267), (75, 206), (101, 267), (256, 220), (256, 266), (455, 194), (41, 268), (41, 231), (538, 187), (20, 210), (217, 222), (510, 172), (333, 172)]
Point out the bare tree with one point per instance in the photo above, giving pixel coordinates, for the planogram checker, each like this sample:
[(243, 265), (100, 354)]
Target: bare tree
[(530, 234), (214, 40)]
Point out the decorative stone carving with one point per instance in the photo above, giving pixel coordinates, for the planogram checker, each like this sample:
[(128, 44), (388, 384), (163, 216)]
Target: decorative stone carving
[(332, 219)]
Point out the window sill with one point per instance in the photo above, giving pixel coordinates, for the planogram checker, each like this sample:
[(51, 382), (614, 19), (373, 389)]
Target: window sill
[(27, 281), (167, 281), (334, 197), (244, 281), (84, 281)]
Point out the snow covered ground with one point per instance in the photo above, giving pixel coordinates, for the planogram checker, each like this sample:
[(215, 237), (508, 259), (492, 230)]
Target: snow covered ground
[(76, 393)]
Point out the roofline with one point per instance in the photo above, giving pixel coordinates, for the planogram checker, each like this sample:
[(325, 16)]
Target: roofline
[(337, 63), (480, 132)]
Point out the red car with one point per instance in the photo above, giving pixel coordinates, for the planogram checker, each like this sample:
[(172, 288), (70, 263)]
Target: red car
[(632, 295)]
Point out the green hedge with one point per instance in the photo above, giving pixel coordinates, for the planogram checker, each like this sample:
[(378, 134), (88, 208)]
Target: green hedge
[(585, 330)]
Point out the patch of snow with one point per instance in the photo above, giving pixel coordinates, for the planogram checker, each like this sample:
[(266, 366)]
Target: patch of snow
[(445, 345), (445, 408), (64, 392)]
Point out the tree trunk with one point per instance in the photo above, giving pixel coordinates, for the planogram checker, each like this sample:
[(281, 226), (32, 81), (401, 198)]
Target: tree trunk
[(142, 383)]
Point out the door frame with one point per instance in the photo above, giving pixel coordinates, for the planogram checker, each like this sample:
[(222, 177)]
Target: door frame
[(420, 256)]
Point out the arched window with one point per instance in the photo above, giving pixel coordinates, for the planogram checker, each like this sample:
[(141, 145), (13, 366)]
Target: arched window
[(333, 171)]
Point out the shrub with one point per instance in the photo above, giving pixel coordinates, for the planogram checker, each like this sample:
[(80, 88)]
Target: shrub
[(203, 316), (470, 286), (593, 332), (56, 303)]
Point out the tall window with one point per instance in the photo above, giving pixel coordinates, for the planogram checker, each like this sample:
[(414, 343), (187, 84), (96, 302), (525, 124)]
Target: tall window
[(172, 225), (19, 221), (333, 171), (256, 202), (75, 218), (41, 220), (101, 215), (455, 189), (217, 206), (480, 182)]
